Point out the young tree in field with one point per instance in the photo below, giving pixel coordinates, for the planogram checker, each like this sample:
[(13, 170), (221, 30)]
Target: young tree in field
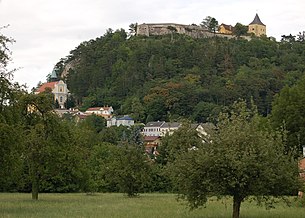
[(244, 158), (131, 170)]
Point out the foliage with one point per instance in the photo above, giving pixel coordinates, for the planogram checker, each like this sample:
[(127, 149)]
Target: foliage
[(287, 111), (210, 23), (119, 168), (240, 30), (164, 79), (235, 161)]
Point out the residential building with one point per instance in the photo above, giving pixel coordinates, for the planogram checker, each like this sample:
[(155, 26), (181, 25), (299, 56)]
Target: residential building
[(169, 128), (204, 130), (153, 128), (151, 144), (122, 121), (105, 112), (58, 88)]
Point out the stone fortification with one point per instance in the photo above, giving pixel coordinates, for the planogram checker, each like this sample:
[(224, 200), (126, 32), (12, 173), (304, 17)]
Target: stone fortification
[(194, 31)]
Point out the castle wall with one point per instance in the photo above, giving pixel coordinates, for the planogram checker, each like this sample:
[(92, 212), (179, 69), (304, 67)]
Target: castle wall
[(190, 30)]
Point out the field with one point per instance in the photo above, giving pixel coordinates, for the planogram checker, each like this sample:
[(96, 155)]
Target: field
[(118, 205)]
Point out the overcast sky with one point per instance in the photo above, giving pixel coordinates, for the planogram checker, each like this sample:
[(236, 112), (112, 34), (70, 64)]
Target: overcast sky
[(47, 30)]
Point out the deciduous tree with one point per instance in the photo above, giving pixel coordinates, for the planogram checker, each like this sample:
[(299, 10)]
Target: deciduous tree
[(243, 159)]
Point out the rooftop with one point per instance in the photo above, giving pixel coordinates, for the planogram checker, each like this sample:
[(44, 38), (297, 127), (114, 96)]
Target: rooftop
[(155, 124), (257, 21), (45, 86)]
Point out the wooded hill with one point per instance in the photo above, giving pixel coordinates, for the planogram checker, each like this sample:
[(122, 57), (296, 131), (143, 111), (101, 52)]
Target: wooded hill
[(175, 76)]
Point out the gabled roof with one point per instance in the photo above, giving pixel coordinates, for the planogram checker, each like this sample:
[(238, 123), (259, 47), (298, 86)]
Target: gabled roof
[(94, 109), (151, 138), (227, 27), (44, 86), (155, 124), (125, 118), (171, 125), (257, 21)]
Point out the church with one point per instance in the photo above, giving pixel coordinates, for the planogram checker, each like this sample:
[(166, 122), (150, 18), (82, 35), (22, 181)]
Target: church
[(57, 87)]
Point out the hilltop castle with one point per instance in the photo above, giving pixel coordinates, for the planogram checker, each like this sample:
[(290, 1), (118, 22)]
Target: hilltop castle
[(155, 29)]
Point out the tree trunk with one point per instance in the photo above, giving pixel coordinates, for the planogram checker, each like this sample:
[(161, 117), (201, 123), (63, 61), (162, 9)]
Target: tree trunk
[(35, 183), (236, 206)]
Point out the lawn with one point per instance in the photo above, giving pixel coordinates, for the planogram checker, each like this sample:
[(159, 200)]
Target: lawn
[(118, 205)]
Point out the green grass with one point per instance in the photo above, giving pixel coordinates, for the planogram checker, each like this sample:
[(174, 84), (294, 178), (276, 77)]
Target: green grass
[(117, 206)]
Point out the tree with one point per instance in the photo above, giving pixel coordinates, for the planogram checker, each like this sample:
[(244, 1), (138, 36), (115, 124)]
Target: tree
[(240, 30), (210, 23), (244, 158), (11, 132), (287, 110), (133, 29), (131, 169), (301, 36)]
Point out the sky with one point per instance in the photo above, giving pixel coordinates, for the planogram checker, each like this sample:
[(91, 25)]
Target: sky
[(47, 30)]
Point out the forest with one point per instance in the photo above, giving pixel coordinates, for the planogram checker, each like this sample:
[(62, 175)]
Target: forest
[(175, 77)]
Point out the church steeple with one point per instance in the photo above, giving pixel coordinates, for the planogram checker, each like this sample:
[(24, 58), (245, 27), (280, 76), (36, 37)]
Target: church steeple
[(53, 76)]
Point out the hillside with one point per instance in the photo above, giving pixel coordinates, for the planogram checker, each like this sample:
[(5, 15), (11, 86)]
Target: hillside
[(174, 76)]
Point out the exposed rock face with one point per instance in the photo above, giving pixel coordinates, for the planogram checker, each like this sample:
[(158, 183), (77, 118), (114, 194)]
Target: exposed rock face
[(68, 66)]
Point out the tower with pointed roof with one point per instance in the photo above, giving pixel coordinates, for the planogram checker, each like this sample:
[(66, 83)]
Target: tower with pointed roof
[(53, 76), (257, 27)]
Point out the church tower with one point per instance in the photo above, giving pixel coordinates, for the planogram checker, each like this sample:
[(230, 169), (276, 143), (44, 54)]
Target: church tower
[(53, 76), (257, 27)]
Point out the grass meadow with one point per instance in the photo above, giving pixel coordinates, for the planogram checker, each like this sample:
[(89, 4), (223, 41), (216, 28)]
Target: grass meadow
[(118, 206)]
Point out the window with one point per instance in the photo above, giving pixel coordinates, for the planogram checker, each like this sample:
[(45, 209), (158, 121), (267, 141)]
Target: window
[(60, 99)]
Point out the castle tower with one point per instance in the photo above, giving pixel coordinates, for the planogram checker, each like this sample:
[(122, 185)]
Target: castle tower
[(257, 27)]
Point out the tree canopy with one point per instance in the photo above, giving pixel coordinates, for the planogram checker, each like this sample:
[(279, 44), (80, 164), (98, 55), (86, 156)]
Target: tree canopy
[(161, 77), (244, 158)]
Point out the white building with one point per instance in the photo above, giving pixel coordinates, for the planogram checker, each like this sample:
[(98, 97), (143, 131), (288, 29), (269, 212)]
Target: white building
[(105, 112), (122, 121), (153, 128), (169, 128)]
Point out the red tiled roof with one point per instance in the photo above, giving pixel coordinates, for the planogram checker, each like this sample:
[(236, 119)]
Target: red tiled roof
[(106, 108), (94, 108), (43, 87), (150, 138)]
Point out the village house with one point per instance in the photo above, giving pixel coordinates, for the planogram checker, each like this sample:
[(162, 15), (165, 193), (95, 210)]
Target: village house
[(204, 131), (153, 128), (151, 144), (105, 112), (169, 128), (122, 121)]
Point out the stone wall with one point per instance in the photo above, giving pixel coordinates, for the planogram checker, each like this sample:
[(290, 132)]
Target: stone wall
[(168, 28)]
